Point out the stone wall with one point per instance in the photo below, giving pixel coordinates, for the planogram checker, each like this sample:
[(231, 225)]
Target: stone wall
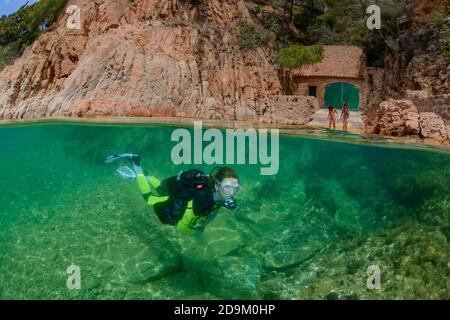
[(292, 110), (425, 103)]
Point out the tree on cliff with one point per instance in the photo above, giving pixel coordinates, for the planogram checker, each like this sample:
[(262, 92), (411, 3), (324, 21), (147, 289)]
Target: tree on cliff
[(332, 22), (20, 29), (288, 10), (296, 56)]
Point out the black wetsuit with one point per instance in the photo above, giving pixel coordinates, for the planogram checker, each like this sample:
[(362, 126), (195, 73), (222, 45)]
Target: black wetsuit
[(187, 186)]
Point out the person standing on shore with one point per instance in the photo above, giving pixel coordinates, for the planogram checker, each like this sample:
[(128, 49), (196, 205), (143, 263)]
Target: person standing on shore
[(332, 116), (345, 115)]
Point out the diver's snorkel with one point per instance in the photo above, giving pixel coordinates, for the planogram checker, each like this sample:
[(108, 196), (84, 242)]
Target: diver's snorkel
[(230, 203), (228, 189)]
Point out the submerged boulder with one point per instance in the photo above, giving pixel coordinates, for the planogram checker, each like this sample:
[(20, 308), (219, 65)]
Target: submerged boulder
[(233, 277), (150, 264), (294, 242), (289, 256), (221, 238), (349, 217)]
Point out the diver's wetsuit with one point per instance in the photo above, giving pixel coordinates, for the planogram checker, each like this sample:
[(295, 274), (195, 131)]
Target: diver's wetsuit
[(177, 195)]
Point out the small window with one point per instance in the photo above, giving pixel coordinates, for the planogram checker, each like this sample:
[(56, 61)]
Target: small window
[(371, 79), (313, 91)]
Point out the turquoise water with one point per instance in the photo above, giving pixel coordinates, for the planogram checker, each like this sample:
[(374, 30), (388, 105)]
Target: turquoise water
[(310, 232)]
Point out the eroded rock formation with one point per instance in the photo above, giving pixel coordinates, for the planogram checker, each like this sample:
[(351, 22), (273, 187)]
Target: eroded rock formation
[(142, 58), (417, 70)]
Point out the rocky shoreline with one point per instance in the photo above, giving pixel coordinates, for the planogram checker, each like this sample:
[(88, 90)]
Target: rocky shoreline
[(311, 131), (166, 62)]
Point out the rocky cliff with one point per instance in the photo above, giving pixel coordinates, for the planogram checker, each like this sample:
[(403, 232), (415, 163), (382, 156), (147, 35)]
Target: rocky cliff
[(142, 58), (417, 76), (419, 59)]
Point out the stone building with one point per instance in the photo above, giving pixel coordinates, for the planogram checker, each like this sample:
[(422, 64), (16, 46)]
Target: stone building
[(341, 76)]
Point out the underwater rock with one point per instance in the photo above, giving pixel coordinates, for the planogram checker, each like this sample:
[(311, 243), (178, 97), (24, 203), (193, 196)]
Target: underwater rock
[(287, 256), (329, 199), (233, 277), (348, 211), (332, 295), (221, 238), (150, 264), (292, 243), (280, 203), (220, 241)]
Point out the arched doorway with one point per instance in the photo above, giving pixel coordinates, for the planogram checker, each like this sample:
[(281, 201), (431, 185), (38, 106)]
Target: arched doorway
[(338, 93)]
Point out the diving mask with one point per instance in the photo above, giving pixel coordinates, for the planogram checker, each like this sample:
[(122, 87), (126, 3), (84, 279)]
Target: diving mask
[(229, 187)]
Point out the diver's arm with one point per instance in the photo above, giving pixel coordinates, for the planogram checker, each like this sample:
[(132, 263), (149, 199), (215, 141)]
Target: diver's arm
[(195, 221), (203, 223)]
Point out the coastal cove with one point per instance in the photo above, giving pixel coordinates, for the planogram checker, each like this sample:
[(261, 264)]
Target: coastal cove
[(224, 150)]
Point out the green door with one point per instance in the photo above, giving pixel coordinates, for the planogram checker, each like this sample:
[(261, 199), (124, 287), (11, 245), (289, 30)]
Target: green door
[(338, 93)]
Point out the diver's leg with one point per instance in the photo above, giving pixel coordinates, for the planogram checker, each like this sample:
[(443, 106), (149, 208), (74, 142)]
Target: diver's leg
[(154, 182), (143, 185), (146, 190), (169, 211)]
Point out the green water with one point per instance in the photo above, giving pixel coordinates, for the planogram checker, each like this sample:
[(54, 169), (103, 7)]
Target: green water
[(310, 232)]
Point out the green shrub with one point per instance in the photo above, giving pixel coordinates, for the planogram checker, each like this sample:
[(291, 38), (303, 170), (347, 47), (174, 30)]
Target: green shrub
[(272, 24), (447, 41), (8, 53), (439, 16), (20, 29), (253, 36), (296, 56), (344, 22), (438, 19)]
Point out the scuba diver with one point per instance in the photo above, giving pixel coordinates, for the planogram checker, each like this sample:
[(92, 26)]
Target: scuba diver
[(189, 200)]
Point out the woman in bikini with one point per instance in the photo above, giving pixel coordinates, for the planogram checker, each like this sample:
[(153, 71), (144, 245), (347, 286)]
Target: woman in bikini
[(332, 115)]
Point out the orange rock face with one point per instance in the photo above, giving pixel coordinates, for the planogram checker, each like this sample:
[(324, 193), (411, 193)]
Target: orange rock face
[(401, 118), (398, 118), (142, 58)]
